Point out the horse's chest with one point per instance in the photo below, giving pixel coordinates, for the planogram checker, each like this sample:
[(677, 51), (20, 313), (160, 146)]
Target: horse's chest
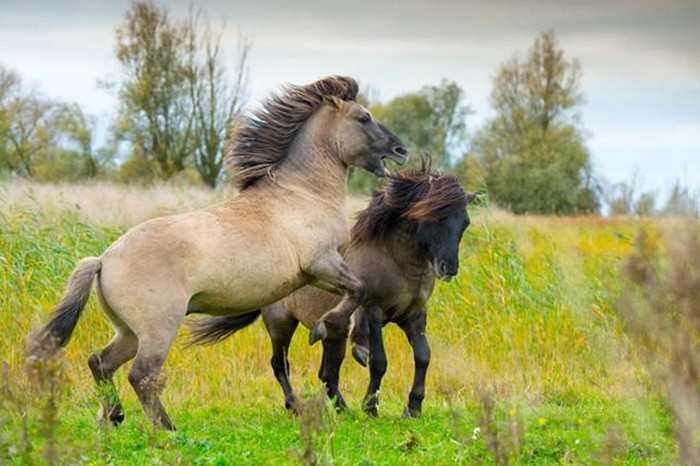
[(411, 296)]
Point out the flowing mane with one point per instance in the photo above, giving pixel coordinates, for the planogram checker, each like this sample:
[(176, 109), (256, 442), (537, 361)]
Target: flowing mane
[(261, 139), (420, 195)]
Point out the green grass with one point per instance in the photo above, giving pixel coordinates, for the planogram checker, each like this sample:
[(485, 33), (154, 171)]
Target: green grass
[(585, 432), (529, 325)]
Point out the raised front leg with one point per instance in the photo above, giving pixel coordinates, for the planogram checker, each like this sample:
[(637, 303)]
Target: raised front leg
[(333, 271), (377, 360), (359, 336), (415, 332)]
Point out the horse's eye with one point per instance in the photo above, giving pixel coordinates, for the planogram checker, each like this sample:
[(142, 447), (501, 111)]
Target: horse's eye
[(365, 118)]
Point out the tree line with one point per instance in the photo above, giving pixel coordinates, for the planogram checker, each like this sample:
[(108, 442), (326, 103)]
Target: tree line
[(177, 101)]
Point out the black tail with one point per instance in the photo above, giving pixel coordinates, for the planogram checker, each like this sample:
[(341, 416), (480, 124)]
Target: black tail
[(210, 330), (64, 317)]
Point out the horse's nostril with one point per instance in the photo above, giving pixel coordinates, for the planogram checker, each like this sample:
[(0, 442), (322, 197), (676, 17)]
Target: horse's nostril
[(400, 150)]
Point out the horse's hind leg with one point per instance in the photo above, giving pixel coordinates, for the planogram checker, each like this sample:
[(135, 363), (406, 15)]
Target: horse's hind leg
[(281, 326), (155, 340), (333, 355), (103, 366)]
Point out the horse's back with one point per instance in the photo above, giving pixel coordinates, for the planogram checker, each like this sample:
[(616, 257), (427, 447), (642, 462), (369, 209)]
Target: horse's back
[(225, 264)]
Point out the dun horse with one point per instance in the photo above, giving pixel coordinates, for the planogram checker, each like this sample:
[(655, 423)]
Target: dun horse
[(282, 231), (407, 236)]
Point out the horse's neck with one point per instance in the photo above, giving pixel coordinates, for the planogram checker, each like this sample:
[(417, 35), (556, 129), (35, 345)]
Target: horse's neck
[(313, 166), (401, 244)]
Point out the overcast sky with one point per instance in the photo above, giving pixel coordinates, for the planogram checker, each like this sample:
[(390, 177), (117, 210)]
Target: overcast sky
[(640, 59)]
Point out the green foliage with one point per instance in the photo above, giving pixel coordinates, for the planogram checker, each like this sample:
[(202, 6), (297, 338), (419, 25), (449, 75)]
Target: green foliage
[(28, 131), (46, 140), (531, 154), (176, 101), (155, 109), (432, 120)]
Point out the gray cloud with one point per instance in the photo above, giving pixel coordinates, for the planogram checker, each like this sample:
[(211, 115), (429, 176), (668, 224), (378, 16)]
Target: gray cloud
[(640, 58)]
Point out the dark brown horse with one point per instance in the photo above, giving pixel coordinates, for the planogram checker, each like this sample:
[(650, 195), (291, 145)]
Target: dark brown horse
[(281, 232), (407, 236)]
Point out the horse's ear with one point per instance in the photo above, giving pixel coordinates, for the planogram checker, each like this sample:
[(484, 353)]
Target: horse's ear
[(333, 100), (471, 197)]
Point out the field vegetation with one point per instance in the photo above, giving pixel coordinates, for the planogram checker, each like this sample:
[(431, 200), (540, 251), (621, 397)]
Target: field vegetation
[(534, 360)]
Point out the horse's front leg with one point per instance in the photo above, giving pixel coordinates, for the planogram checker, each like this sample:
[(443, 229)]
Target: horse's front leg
[(332, 272), (359, 336), (414, 328), (377, 360)]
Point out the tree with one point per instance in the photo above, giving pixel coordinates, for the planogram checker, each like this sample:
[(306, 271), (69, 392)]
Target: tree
[(645, 204), (624, 200), (681, 203), (9, 85), (531, 154), (156, 114), (78, 132), (28, 130), (432, 120), (176, 97), (215, 101)]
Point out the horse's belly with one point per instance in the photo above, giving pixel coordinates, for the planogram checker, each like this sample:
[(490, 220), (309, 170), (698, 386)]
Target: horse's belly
[(240, 296)]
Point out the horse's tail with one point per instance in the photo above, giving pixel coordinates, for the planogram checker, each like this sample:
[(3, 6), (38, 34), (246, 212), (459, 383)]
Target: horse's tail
[(64, 317), (210, 330)]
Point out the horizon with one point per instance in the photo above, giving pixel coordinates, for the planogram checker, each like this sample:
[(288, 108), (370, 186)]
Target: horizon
[(640, 61)]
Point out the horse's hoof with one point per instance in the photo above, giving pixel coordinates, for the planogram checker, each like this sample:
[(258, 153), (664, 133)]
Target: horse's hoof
[(361, 355), (340, 405), (409, 413), (292, 405), (371, 411), (318, 333), (116, 418)]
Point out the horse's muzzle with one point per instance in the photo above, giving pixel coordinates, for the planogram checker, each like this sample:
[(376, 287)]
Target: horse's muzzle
[(399, 154)]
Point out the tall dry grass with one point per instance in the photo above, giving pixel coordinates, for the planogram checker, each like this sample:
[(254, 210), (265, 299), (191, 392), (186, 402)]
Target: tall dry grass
[(661, 316), (530, 318), (530, 309), (116, 205)]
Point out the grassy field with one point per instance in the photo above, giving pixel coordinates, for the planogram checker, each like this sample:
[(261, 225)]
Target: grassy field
[(530, 364)]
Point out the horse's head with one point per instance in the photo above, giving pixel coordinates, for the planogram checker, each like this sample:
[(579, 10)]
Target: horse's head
[(433, 206), (440, 212), (439, 238), (361, 140)]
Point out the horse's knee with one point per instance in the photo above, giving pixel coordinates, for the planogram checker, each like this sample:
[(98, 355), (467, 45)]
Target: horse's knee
[(142, 374), (378, 365), (361, 293), (422, 360), (94, 362), (279, 365), (136, 376)]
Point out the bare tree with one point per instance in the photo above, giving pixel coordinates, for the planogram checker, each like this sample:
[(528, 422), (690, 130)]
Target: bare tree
[(176, 97), (156, 114), (216, 97)]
